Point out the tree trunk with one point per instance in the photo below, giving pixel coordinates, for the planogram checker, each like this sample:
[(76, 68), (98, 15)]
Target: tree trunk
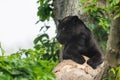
[(113, 44), (69, 70), (63, 8)]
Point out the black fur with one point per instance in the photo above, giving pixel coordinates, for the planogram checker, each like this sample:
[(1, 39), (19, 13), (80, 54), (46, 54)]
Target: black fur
[(78, 41)]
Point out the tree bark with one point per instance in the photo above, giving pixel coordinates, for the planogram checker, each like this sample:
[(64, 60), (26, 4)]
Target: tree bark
[(70, 70), (113, 44), (63, 8)]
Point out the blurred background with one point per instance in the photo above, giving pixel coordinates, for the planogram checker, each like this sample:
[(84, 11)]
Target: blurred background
[(17, 24)]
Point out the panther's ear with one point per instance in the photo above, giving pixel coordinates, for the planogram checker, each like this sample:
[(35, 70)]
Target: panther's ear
[(59, 21), (75, 17)]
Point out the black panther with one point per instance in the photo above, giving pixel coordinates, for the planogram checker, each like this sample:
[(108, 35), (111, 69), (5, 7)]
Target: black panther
[(78, 41)]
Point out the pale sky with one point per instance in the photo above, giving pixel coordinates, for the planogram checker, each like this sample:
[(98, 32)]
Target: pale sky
[(17, 24)]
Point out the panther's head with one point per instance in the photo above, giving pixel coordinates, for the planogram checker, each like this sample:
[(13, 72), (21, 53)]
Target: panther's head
[(69, 28)]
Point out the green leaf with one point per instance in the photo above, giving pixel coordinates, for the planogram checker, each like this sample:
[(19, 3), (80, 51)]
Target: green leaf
[(116, 1), (2, 50), (116, 16), (41, 38), (112, 70), (44, 10)]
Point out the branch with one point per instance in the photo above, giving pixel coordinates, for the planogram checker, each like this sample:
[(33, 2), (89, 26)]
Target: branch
[(70, 70)]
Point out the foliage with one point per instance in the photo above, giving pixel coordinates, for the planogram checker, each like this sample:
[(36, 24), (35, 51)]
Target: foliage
[(114, 7), (101, 17), (114, 74), (1, 49), (36, 63), (45, 9), (19, 67), (46, 48), (100, 22), (31, 64)]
